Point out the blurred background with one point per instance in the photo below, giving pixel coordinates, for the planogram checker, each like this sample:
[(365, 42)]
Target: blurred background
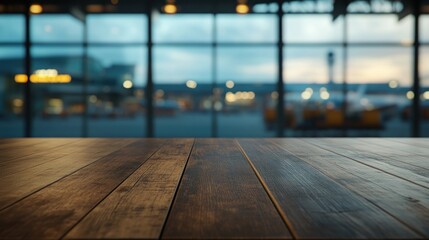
[(219, 68)]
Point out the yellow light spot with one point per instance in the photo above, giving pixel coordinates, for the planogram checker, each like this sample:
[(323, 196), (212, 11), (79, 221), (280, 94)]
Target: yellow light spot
[(310, 90), (159, 93), (306, 95), (242, 8), (426, 95), (170, 8), (324, 95), (17, 102), (218, 106), (21, 78), (230, 97), (229, 84), (191, 84), (274, 95), (252, 95), (410, 95), (127, 84), (393, 84), (93, 99), (36, 8)]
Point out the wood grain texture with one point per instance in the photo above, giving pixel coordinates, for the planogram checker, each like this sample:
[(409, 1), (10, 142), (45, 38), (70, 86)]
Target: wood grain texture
[(398, 146), (403, 200), (52, 211), (139, 206), (316, 206), (34, 172), (363, 154), (365, 148), (18, 149), (221, 197)]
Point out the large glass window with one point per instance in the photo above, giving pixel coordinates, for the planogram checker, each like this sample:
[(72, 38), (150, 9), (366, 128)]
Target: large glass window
[(11, 92), (117, 28), (311, 28), (12, 28), (246, 79), (195, 28), (313, 77), (380, 28), (58, 104), (380, 80), (247, 28), (183, 87), (56, 28), (117, 70)]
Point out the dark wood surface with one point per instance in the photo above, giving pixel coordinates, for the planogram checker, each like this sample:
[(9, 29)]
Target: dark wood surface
[(305, 188)]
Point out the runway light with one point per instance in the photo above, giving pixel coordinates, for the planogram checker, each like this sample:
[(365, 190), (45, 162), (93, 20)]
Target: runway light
[(410, 95), (230, 97), (324, 95), (170, 7), (191, 84), (229, 84), (426, 95), (36, 9), (274, 95), (127, 84), (393, 84), (307, 93)]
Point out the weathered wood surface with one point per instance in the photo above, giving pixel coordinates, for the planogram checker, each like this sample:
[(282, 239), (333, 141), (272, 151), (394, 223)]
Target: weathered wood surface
[(214, 188)]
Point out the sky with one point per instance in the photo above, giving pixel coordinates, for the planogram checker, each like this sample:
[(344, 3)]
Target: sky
[(241, 63)]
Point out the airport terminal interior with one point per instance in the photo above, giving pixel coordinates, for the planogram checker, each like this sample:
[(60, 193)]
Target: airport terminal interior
[(214, 68)]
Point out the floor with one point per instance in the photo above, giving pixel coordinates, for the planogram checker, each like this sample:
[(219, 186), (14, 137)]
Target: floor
[(292, 188)]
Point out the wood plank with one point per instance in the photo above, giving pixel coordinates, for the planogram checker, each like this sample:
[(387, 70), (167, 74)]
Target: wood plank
[(344, 147), (20, 148), (221, 197), (405, 201), (40, 157), (315, 205), (400, 146), (421, 142), (54, 210), (20, 184), (389, 155), (138, 208)]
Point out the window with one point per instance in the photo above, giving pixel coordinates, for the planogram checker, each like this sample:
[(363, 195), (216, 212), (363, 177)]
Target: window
[(380, 80), (254, 28), (11, 93), (310, 28), (380, 28), (183, 88)]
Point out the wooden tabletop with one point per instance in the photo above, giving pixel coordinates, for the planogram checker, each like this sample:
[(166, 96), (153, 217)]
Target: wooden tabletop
[(214, 188)]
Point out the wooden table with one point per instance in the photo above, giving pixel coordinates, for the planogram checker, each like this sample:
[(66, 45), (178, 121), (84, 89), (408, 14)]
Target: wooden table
[(214, 188)]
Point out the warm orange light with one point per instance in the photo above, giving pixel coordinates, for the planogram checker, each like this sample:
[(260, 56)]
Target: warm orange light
[(36, 9), (114, 2), (44, 76), (95, 8), (170, 8), (242, 8), (21, 78)]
